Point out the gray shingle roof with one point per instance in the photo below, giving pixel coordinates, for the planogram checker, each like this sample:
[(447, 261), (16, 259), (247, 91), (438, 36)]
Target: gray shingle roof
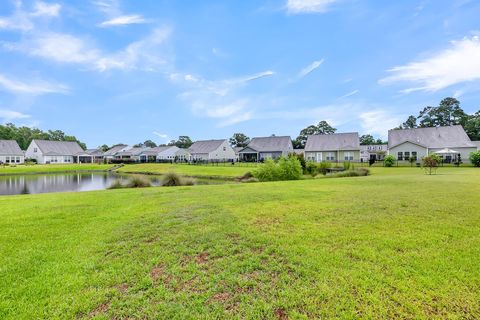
[(59, 148), (94, 152), (205, 146), (155, 151), (10, 147), (133, 151), (332, 142), (271, 144), (439, 137), (114, 150)]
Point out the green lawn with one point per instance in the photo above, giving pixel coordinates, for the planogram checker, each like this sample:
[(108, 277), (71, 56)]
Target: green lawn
[(47, 168), (189, 170), (397, 244)]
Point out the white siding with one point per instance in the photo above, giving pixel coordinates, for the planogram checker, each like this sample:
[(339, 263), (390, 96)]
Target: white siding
[(34, 152), (12, 159), (224, 152)]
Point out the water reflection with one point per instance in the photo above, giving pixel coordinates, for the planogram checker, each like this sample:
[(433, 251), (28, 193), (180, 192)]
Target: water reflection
[(45, 183)]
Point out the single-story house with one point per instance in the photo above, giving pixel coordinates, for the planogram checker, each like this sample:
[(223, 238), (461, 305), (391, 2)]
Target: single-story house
[(237, 152), (376, 152), (130, 153), (164, 153), (46, 151), (97, 154), (419, 142), (333, 147), (211, 150), (261, 148), (110, 153), (10, 152)]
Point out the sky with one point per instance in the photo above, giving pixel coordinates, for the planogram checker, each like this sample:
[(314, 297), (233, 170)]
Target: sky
[(111, 71)]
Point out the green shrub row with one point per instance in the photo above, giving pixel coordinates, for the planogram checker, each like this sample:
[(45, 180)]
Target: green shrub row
[(285, 169)]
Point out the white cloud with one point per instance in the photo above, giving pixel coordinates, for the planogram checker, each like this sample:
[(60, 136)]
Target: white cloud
[(124, 20), (37, 88), (308, 69), (354, 92), (46, 9), (222, 99), (65, 48), (161, 135), (378, 122), (9, 115), (309, 6), (23, 20), (115, 17), (455, 65)]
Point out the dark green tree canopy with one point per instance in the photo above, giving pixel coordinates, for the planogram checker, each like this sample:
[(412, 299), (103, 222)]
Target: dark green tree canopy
[(25, 135), (447, 113), (368, 139), (239, 140), (149, 144), (184, 142), (321, 128)]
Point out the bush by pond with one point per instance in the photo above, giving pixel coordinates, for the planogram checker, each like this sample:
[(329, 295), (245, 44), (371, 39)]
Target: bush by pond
[(172, 179), (285, 169)]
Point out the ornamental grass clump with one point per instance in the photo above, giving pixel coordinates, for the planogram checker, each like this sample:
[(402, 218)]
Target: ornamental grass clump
[(139, 182), (172, 179)]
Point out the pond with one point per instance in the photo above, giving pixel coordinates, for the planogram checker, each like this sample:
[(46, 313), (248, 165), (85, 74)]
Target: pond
[(71, 182)]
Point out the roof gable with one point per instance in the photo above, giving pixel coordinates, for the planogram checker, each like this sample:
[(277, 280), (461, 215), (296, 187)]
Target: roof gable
[(335, 141), (437, 137), (10, 147), (205, 146), (62, 148), (270, 144)]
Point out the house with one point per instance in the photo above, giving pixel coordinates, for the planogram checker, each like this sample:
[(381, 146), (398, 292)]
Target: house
[(97, 154), (333, 147), (419, 142), (211, 150), (237, 152), (110, 153), (261, 148), (375, 152), (10, 152), (56, 152), (163, 154), (477, 143), (131, 153)]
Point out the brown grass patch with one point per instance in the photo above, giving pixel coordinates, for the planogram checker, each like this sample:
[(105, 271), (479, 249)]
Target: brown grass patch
[(281, 314), (202, 258), (100, 309)]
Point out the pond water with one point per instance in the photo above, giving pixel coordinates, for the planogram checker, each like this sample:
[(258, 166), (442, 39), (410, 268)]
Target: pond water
[(69, 182)]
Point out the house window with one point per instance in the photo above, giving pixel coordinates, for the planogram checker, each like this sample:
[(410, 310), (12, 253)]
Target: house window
[(330, 156), (7, 159), (66, 159), (35, 149), (224, 148), (348, 156), (414, 155), (17, 159), (407, 155), (400, 156)]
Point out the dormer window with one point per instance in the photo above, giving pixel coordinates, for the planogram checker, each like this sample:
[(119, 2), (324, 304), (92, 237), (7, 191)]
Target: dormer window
[(34, 149)]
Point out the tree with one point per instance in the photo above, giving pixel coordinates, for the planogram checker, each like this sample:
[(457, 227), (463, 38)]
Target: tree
[(149, 144), (389, 161), (366, 139), (239, 140), (184, 142), (410, 123), (475, 158), (430, 163), (103, 148), (322, 128), (472, 126)]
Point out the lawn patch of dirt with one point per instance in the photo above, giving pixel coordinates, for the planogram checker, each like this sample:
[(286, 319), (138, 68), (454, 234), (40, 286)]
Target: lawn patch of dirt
[(100, 309), (202, 258), (281, 314)]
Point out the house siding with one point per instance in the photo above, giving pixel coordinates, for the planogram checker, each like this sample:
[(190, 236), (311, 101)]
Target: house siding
[(408, 147), (464, 152), (13, 159), (223, 152), (32, 154), (339, 156)]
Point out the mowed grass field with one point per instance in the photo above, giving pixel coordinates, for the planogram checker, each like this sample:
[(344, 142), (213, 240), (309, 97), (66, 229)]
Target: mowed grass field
[(397, 244), (52, 168), (222, 170)]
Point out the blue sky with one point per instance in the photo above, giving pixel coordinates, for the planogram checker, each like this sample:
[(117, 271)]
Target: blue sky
[(112, 71)]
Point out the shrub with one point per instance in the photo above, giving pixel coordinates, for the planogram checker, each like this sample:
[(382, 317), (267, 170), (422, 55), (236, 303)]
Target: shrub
[(311, 168), (389, 161), (117, 184), (323, 167), (285, 169), (351, 173), (346, 165), (300, 158), (475, 158), (138, 182), (430, 163), (171, 179)]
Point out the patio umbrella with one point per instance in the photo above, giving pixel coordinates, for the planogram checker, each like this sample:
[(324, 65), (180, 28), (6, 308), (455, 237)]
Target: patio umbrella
[(446, 151)]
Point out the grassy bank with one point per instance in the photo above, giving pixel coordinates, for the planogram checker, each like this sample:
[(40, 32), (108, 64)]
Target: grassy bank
[(229, 171), (49, 168), (397, 244)]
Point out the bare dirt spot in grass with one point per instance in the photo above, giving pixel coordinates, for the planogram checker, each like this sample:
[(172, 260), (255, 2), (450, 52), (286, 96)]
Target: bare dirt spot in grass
[(122, 288), (100, 309), (221, 297), (202, 258), (281, 314), (267, 221)]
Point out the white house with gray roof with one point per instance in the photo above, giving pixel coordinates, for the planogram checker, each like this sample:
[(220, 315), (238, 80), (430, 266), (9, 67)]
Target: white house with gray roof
[(336, 147), (56, 152), (10, 152), (375, 152), (211, 150), (261, 148), (419, 142), (112, 152)]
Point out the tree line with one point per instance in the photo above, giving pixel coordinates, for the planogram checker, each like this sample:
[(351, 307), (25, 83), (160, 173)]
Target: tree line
[(24, 135)]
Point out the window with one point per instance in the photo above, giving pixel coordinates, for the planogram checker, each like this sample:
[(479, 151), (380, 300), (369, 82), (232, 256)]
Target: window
[(400, 156), (414, 155), (35, 149), (348, 156), (17, 159), (66, 159), (224, 148), (330, 156), (7, 159), (407, 155)]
